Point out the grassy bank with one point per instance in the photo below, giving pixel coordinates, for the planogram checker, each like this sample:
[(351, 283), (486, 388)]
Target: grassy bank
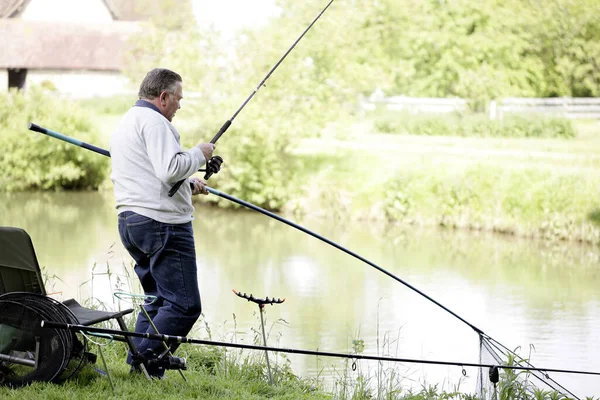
[(212, 374), (544, 188)]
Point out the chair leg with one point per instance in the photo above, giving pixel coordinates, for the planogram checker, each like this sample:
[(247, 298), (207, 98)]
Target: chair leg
[(106, 368), (132, 347)]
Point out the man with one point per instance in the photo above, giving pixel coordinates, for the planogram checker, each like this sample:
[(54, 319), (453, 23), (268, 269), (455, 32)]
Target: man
[(156, 230)]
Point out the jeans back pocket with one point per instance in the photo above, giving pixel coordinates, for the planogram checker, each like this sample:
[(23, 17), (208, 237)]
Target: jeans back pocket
[(144, 233)]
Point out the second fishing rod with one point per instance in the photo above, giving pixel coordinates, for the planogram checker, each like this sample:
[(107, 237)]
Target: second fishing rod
[(214, 164)]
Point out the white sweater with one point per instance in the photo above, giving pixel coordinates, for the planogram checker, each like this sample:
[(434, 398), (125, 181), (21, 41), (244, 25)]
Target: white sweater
[(147, 161)]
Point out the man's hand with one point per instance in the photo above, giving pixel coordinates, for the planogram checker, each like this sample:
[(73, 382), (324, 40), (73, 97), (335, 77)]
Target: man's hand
[(207, 150), (198, 186)]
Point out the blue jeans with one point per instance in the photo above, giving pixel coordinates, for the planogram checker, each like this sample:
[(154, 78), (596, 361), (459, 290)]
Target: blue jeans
[(165, 263)]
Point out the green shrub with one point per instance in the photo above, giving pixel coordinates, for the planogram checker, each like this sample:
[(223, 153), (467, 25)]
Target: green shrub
[(257, 166), (30, 160), (476, 125), (549, 204)]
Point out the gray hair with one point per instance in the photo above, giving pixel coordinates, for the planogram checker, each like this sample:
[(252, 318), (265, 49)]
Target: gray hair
[(157, 81)]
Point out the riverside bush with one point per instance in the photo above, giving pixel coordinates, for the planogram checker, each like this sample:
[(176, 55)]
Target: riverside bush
[(474, 125), (553, 205), (30, 160), (257, 167)]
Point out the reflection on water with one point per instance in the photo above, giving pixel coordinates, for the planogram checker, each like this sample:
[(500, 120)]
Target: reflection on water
[(517, 291)]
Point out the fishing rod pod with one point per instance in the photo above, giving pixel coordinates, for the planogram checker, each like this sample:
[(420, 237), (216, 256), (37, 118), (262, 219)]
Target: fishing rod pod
[(261, 307), (261, 302)]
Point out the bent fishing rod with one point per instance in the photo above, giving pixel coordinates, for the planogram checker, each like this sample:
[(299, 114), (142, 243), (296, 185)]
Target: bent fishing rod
[(182, 339), (214, 164), (60, 136), (251, 206)]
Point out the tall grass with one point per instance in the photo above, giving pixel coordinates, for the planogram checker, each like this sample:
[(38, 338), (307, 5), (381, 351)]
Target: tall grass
[(474, 125), (548, 204)]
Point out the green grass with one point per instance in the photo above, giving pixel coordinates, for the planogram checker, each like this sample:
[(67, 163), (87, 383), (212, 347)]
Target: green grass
[(529, 187), (471, 125), (213, 373)]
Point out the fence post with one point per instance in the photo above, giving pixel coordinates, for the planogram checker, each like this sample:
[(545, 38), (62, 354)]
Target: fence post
[(493, 108)]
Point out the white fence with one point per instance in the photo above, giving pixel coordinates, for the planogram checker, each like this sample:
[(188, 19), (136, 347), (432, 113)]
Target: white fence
[(567, 107), (416, 104)]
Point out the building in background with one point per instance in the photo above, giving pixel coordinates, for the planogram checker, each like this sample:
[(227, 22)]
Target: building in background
[(77, 47)]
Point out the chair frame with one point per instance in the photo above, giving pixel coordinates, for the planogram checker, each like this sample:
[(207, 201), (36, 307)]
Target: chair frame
[(20, 272)]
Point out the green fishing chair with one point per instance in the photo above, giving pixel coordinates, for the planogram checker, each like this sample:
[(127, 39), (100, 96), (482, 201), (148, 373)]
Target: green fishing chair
[(20, 272)]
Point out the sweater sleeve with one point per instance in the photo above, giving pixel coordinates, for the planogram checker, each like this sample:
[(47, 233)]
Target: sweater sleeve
[(170, 162)]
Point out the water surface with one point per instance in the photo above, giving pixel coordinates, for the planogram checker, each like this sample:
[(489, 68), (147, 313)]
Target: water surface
[(519, 292)]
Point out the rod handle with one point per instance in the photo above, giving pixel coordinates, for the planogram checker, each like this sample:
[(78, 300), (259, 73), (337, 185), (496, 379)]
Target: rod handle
[(53, 325), (175, 187), (225, 126)]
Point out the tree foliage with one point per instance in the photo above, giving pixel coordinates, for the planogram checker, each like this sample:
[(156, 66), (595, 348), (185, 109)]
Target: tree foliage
[(430, 48), (442, 48), (30, 160), (433, 48)]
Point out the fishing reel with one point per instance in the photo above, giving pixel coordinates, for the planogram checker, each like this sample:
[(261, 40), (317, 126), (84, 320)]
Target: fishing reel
[(213, 166), (168, 362), (164, 360)]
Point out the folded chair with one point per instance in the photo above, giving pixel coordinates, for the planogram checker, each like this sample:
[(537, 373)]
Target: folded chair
[(20, 272)]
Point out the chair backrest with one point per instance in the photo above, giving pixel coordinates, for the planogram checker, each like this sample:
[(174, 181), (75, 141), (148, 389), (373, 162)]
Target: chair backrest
[(19, 268)]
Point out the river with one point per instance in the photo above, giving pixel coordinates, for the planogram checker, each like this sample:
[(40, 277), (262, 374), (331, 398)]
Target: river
[(540, 298)]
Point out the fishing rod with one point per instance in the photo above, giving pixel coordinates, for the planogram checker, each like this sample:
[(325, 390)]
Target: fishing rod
[(68, 139), (214, 164), (251, 206), (182, 339), (339, 247)]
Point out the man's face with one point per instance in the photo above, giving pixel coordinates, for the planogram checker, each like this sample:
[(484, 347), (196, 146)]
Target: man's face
[(170, 101)]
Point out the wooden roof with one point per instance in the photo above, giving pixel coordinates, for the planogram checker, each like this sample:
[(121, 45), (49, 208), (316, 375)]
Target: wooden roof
[(11, 8), (121, 10), (27, 44)]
